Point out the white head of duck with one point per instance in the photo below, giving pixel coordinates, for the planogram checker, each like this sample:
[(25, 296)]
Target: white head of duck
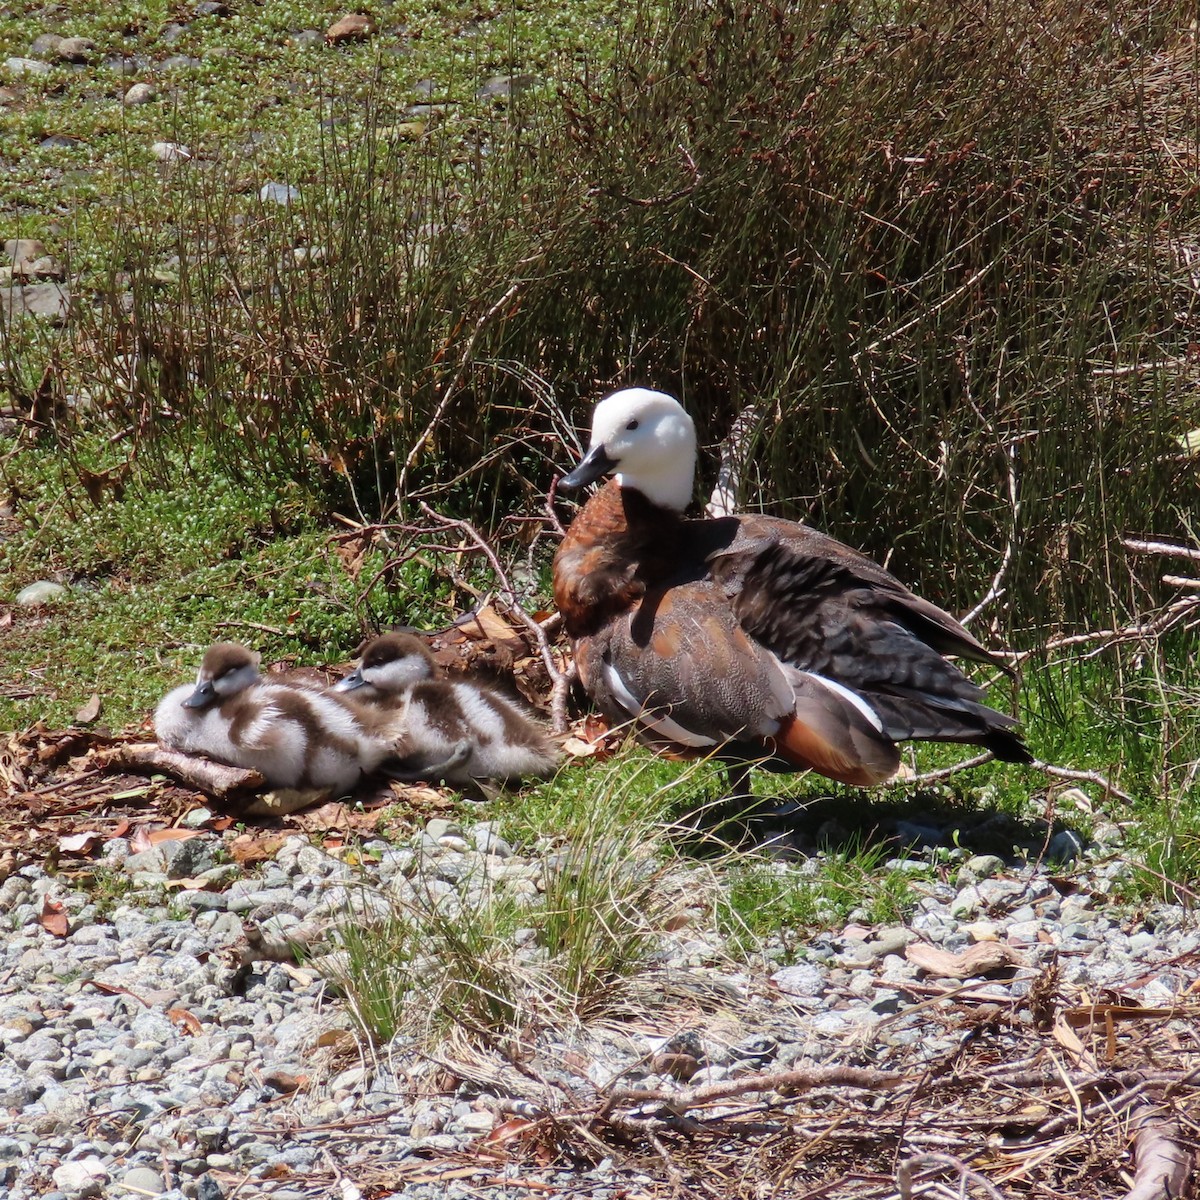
[(648, 441)]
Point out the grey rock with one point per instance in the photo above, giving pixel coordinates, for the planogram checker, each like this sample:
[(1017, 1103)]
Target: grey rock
[(170, 151), (26, 66), (42, 592), (45, 45), (60, 141), (139, 93), (81, 1176), (504, 87), (278, 193), (892, 940), (306, 39), (75, 49), (983, 866), (153, 860), (49, 301), (123, 64), (802, 979), (179, 62), (210, 8), (207, 1188), (189, 857), (144, 1181), (173, 32), (439, 828), (24, 250)]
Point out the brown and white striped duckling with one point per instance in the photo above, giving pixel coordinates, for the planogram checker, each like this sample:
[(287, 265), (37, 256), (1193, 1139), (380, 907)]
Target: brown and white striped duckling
[(296, 735), (460, 730), (749, 637)]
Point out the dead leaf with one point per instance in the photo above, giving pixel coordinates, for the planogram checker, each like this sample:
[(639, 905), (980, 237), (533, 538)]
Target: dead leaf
[(185, 1019), (78, 843), (172, 835), (249, 848), (54, 918), (980, 959), (284, 1081), (89, 712), (514, 1127), (338, 1039)]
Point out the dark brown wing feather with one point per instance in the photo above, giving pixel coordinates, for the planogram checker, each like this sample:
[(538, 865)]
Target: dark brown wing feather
[(825, 608)]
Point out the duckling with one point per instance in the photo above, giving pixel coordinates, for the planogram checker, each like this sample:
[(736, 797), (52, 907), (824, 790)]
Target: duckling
[(459, 731), (750, 638), (295, 734)]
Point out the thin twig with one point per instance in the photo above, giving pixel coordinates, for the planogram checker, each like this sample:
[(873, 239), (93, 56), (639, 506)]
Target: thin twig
[(1170, 549), (451, 388), (560, 681)]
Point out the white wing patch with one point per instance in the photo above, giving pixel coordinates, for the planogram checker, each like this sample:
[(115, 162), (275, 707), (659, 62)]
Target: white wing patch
[(656, 720), (850, 697)]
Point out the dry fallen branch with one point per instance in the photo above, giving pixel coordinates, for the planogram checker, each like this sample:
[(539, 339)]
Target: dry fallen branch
[(905, 1180), (215, 779), (1164, 1166), (783, 1082), (1170, 549)]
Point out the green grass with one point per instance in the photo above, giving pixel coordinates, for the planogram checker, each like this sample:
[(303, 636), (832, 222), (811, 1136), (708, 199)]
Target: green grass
[(492, 962), (767, 902), (157, 575)]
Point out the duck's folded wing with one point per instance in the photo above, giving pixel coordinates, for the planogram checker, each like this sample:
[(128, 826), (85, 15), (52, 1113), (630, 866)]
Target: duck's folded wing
[(826, 609), (682, 667), (794, 587)]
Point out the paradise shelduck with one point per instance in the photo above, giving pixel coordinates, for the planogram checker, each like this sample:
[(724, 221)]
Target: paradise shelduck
[(460, 731), (750, 638), (295, 734)]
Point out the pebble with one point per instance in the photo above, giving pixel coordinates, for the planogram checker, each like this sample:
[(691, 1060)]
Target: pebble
[(75, 49), (278, 193), (42, 592), (354, 27), (139, 93), (26, 66), (174, 1069), (170, 152)]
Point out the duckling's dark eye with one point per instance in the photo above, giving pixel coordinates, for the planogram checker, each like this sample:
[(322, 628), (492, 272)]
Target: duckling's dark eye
[(632, 425)]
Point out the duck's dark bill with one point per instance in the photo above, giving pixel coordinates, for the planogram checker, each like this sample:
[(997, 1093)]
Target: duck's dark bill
[(203, 696), (595, 466), (352, 681)]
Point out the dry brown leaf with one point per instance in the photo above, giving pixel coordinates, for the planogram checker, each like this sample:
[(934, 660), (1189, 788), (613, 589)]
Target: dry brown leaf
[(975, 960), (158, 836), (185, 1019), (79, 843), (486, 624), (514, 1127), (54, 918), (251, 848), (338, 1039), (89, 712)]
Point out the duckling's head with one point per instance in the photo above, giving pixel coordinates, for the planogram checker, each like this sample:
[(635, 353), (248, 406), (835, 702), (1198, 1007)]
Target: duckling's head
[(648, 441), (226, 670), (390, 664)]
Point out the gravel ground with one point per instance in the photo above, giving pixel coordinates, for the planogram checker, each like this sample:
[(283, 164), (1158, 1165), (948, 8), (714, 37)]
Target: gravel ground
[(138, 1061)]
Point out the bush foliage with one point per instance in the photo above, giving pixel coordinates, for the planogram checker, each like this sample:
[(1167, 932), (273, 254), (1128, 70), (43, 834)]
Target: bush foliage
[(940, 257)]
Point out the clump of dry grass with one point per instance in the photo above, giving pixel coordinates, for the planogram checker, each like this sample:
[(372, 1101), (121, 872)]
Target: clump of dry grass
[(942, 258)]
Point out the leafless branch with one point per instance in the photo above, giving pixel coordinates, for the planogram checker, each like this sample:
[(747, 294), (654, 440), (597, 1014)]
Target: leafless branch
[(995, 591), (1170, 549), (560, 681), (215, 779), (1164, 1166)]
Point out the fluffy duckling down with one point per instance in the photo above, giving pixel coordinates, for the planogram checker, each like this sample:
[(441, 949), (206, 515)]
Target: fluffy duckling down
[(460, 731)]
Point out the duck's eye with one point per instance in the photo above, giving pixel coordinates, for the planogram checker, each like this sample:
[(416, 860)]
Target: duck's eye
[(632, 425)]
